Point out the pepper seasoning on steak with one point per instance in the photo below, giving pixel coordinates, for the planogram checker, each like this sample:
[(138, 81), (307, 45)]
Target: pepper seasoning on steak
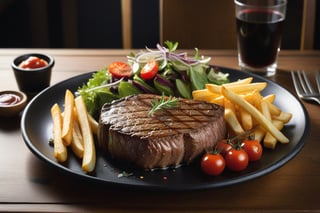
[(167, 138)]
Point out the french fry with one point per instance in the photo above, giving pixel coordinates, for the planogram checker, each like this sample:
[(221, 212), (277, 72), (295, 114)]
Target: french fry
[(231, 116), (229, 105), (274, 110), (254, 97), (238, 88), (67, 125), (241, 81), (219, 100), (259, 133), (77, 140), (269, 140), (232, 121), (265, 110), (285, 117), (255, 113), (246, 119), (238, 82), (262, 111), (81, 124), (270, 98), (89, 155), (59, 149), (93, 124), (204, 95)]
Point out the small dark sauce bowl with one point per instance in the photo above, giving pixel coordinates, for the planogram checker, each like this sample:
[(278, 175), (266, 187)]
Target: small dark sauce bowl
[(12, 110)]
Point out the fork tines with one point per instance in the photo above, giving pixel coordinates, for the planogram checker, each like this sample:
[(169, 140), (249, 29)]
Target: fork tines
[(303, 86), (318, 80)]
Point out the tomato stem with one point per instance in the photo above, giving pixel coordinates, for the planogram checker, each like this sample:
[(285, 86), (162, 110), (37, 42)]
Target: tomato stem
[(244, 134)]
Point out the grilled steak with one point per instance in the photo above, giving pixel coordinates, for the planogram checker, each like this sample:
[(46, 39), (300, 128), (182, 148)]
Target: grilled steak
[(168, 137)]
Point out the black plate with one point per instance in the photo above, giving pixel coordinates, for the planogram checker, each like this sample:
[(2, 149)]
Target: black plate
[(36, 126)]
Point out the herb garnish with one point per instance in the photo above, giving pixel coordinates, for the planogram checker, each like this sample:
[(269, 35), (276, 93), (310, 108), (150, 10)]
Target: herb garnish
[(162, 103)]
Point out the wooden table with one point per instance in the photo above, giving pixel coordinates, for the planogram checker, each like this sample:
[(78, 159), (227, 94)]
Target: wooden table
[(29, 184)]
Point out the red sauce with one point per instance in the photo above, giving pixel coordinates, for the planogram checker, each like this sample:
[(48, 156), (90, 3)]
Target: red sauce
[(33, 62), (9, 99)]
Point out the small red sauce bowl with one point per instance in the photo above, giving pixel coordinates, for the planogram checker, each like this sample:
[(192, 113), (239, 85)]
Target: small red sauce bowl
[(32, 81), (10, 108)]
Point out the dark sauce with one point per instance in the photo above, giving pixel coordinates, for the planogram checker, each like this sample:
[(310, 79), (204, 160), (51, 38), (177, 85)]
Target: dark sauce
[(9, 99)]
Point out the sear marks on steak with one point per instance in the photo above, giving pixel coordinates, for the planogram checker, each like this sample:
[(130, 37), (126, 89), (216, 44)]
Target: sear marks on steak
[(167, 138)]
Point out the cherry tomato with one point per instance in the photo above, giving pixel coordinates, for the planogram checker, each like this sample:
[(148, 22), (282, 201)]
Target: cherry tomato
[(33, 62), (223, 146), (237, 159), (120, 69), (149, 70), (213, 164), (253, 149)]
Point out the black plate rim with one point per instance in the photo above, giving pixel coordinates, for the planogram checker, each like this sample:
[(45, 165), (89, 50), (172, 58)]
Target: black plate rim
[(249, 176)]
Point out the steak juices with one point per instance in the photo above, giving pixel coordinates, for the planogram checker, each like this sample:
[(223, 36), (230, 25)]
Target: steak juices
[(259, 36)]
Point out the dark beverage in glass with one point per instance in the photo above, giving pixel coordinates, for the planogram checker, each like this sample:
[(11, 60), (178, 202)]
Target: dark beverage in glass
[(259, 31), (259, 36)]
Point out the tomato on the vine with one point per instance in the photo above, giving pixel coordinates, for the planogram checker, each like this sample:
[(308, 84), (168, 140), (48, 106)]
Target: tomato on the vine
[(237, 159), (213, 163), (149, 70), (253, 149), (120, 69), (223, 146)]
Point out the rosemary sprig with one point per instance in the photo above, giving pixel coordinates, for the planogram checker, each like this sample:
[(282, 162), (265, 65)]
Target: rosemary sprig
[(162, 103)]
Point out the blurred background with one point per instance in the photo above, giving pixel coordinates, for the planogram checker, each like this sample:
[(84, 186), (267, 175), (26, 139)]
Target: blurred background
[(206, 24)]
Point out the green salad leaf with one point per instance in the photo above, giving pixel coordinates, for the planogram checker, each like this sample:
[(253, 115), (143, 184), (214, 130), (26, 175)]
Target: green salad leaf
[(95, 98), (172, 46), (216, 77), (178, 75)]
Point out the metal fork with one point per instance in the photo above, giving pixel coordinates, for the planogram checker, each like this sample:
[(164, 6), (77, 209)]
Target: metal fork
[(303, 86)]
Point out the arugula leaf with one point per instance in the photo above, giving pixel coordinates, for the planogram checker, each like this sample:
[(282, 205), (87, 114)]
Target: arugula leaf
[(196, 53), (198, 77), (172, 46), (183, 89)]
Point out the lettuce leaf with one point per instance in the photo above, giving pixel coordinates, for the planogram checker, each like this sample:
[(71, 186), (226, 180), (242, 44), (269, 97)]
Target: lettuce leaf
[(217, 77), (94, 99)]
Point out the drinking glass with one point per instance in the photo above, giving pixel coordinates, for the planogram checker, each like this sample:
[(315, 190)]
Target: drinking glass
[(259, 31)]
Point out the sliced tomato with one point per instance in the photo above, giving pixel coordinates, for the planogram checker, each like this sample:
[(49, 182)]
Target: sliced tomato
[(149, 70), (120, 69)]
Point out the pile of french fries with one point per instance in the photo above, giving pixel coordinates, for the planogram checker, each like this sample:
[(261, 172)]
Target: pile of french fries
[(246, 109), (74, 127)]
